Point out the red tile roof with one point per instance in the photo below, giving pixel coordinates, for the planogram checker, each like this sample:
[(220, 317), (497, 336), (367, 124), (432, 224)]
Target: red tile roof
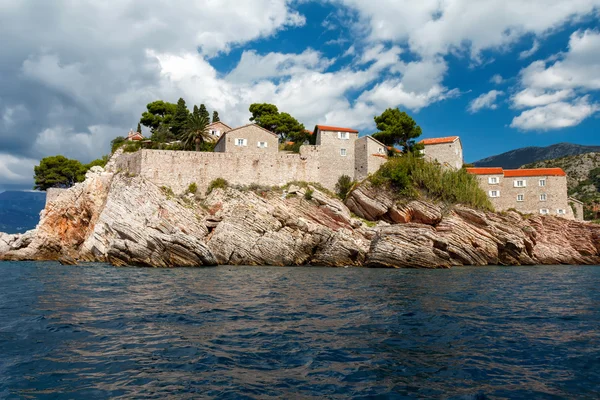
[(517, 173), (336, 129), (514, 173), (449, 139), (485, 171)]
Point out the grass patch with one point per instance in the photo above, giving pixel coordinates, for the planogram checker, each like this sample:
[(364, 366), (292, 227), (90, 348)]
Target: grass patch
[(218, 183), (308, 195), (193, 188), (414, 177), (167, 191), (305, 185)]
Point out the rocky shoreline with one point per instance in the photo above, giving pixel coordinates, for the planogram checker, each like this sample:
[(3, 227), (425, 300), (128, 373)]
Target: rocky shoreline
[(126, 220)]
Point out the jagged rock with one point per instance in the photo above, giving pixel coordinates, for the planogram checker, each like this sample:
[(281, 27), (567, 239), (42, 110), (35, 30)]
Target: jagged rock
[(67, 260), (129, 221)]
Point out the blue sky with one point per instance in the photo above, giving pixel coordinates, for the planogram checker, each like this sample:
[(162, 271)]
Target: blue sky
[(500, 74)]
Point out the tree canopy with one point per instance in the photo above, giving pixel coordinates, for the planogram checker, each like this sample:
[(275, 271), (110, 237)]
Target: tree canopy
[(158, 113), (62, 172), (195, 132), (287, 127), (215, 117), (180, 118), (397, 128)]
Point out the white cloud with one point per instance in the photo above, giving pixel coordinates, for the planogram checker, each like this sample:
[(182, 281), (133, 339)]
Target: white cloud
[(556, 115), (438, 27), (528, 53), (16, 170), (558, 88), (578, 68), (497, 79), (486, 100), (536, 97)]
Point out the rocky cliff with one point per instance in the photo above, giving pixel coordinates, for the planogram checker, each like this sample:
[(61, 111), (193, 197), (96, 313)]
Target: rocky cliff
[(125, 220)]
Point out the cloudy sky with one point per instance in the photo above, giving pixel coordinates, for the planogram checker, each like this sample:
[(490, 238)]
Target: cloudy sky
[(501, 74)]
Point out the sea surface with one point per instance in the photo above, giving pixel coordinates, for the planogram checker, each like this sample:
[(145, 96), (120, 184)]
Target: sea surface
[(97, 332)]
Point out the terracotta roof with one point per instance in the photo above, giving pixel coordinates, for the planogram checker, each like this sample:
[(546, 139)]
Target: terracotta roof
[(513, 173), (218, 122), (309, 132), (391, 148), (485, 171), (449, 139), (336, 129)]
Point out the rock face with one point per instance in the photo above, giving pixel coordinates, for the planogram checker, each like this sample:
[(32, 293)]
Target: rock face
[(124, 220)]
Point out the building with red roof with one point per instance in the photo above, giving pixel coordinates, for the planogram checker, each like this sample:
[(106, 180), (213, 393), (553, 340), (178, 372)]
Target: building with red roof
[(447, 151)]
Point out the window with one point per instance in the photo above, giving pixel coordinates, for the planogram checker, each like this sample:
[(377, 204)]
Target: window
[(494, 193), (343, 152), (543, 197), (520, 197), (493, 180), (380, 150), (542, 182), (521, 183), (343, 135), (544, 211), (560, 211), (241, 142), (215, 132), (262, 145)]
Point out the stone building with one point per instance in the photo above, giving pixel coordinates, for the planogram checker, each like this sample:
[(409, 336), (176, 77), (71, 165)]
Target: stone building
[(248, 138), (447, 151), (529, 191), (250, 154), (216, 129), (133, 136)]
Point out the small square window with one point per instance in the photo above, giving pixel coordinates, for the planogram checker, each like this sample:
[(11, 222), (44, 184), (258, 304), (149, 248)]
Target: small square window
[(240, 142), (381, 150), (494, 193), (343, 135), (262, 145), (520, 183), (343, 152), (520, 197), (542, 182), (543, 197), (560, 211), (544, 211), (493, 180)]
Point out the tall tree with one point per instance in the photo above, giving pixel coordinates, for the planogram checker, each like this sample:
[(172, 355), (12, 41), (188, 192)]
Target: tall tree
[(180, 118), (196, 111), (58, 171), (139, 128), (268, 116), (204, 112), (195, 131), (215, 117), (158, 113), (397, 128)]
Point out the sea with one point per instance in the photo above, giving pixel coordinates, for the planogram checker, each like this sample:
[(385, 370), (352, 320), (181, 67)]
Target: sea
[(99, 332)]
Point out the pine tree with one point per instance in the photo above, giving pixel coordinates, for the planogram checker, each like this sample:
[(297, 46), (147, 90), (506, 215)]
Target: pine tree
[(215, 117), (139, 128), (180, 118), (196, 112), (204, 112)]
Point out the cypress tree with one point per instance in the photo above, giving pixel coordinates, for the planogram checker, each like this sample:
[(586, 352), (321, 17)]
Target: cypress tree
[(196, 112), (180, 118), (215, 117), (204, 113), (139, 128)]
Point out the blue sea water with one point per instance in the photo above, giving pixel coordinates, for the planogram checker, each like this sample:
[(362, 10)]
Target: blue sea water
[(96, 332)]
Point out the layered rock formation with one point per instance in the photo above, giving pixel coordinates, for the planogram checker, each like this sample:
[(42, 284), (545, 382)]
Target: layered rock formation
[(125, 220)]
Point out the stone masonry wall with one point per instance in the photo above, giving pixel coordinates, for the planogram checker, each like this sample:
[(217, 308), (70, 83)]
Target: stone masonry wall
[(449, 154), (253, 134), (332, 164), (370, 155), (555, 191)]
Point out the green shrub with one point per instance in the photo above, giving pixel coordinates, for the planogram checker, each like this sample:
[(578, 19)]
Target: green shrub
[(193, 188), (218, 183), (131, 147), (167, 191), (344, 186), (411, 176), (308, 195)]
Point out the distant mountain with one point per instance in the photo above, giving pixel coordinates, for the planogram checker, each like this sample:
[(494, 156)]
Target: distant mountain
[(20, 211), (526, 155)]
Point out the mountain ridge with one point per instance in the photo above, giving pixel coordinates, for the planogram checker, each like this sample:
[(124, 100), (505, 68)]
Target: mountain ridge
[(20, 210), (526, 155)]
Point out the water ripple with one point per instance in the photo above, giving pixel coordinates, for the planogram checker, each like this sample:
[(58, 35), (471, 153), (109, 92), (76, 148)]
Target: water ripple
[(98, 332)]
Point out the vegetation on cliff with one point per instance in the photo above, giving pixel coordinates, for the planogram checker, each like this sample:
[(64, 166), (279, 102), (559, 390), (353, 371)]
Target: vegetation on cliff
[(62, 172), (411, 176)]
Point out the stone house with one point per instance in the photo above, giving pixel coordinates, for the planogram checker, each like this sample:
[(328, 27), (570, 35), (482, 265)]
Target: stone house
[(249, 138), (447, 151), (133, 136), (370, 154), (529, 191), (216, 130)]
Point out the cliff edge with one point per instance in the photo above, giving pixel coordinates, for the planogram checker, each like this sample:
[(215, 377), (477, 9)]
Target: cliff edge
[(125, 220)]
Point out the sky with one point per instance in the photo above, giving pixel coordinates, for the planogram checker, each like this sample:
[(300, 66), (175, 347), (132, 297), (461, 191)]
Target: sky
[(501, 74)]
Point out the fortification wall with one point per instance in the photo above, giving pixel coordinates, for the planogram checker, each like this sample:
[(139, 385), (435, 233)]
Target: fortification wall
[(129, 162), (178, 169)]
